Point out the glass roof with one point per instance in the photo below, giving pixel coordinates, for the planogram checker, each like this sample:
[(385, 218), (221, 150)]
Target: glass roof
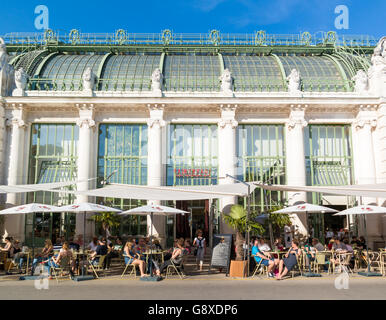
[(318, 73), (65, 71), (128, 72), (191, 73), (255, 73)]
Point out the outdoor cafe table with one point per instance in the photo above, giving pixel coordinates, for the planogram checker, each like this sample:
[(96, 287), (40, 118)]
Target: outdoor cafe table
[(157, 255)]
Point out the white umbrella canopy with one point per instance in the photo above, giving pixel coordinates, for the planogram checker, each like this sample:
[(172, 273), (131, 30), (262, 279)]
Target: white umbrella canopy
[(30, 208), (364, 209), (86, 207), (155, 210), (306, 207)]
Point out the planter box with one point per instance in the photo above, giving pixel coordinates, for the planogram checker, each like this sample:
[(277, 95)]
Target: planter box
[(237, 268)]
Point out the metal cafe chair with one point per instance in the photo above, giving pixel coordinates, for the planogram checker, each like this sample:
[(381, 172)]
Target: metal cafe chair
[(177, 268), (64, 266), (130, 266), (98, 266), (259, 268)]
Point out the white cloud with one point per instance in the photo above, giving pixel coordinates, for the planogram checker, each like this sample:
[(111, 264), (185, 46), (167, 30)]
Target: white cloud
[(207, 5)]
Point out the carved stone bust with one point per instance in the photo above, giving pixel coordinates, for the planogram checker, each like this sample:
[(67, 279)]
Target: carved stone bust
[(294, 81), (6, 71), (361, 81), (88, 78), (21, 78), (156, 80), (226, 81)]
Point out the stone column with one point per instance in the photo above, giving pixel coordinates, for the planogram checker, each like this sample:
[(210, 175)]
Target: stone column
[(295, 160), (155, 168), (364, 124), (87, 127), (15, 223), (227, 158), (381, 170)]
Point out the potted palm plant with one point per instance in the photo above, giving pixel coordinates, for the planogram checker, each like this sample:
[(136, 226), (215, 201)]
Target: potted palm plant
[(237, 219), (108, 220)]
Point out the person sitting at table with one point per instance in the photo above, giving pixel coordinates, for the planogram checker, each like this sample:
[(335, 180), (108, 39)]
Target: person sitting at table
[(8, 247), (349, 248), (18, 255), (278, 246), (118, 242), (317, 245), (73, 245), (354, 242), (289, 260), (79, 240), (101, 250), (54, 261), (143, 248), (265, 258), (93, 244), (263, 246), (330, 244), (111, 253), (310, 253), (176, 258), (339, 246), (157, 245), (132, 257), (47, 251), (362, 243)]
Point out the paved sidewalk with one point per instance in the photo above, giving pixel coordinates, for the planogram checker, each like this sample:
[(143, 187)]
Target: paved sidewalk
[(200, 287)]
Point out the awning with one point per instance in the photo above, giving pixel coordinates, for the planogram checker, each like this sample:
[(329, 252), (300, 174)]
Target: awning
[(35, 187), (127, 191), (377, 190)]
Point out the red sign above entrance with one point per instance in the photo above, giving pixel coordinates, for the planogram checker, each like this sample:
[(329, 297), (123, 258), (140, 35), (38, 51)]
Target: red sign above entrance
[(192, 173)]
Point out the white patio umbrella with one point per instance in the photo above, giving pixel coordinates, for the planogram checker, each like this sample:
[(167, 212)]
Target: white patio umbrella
[(364, 210), (153, 210), (85, 207), (30, 208)]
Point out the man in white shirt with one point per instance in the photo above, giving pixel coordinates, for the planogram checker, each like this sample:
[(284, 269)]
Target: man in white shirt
[(317, 245), (263, 246)]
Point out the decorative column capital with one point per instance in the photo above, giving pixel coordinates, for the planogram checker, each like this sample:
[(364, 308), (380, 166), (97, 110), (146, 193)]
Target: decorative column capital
[(16, 123), (367, 116), (155, 107), (297, 116), (85, 106), (86, 123), (157, 123), (228, 113)]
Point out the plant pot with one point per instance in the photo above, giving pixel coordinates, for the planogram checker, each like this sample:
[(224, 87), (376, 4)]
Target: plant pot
[(238, 269)]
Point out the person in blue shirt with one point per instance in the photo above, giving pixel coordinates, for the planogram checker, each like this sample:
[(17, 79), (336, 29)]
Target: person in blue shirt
[(266, 260)]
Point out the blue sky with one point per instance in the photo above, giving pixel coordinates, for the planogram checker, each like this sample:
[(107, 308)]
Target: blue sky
[(197, 16)]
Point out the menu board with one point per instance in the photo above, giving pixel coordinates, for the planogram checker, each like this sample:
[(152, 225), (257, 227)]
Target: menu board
[(221, 252)]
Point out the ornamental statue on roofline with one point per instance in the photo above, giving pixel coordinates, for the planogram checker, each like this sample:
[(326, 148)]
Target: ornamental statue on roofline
[(226, 82), (294, 81)]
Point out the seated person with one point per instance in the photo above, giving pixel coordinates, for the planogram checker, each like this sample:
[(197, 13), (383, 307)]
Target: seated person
[(111, 253), (79, 240), (362, 243), (18, 256), (278, 245), (331, 243), (349, 248), (188, 246), (118, 244), (101, 250), (73, 245), (157, 245), (310, 253), (47, 251), (54, 261), (93, 244), (289, 260), (263, 246), (8, 247), (132, 257), (264, 258), (176, 257), (354, 242), (317, 245), (339, 246)]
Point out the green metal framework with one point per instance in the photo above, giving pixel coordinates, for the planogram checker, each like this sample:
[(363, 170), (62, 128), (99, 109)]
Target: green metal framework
[(261, 154), (190, 62), (192, 154), (329, 161), (53, 156), (123, 147), (191, 73)]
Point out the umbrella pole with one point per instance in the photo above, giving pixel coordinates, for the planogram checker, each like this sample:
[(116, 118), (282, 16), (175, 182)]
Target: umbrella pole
[(367, 244), (84, 240), (151, 244)]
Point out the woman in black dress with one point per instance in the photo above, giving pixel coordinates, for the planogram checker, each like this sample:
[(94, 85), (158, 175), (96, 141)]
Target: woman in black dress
[(289, 260)]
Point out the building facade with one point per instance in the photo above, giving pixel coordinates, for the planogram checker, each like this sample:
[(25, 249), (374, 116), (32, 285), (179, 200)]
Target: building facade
[(187, 110)]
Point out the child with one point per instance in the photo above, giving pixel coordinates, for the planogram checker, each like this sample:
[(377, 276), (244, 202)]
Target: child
[(199, 242)]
